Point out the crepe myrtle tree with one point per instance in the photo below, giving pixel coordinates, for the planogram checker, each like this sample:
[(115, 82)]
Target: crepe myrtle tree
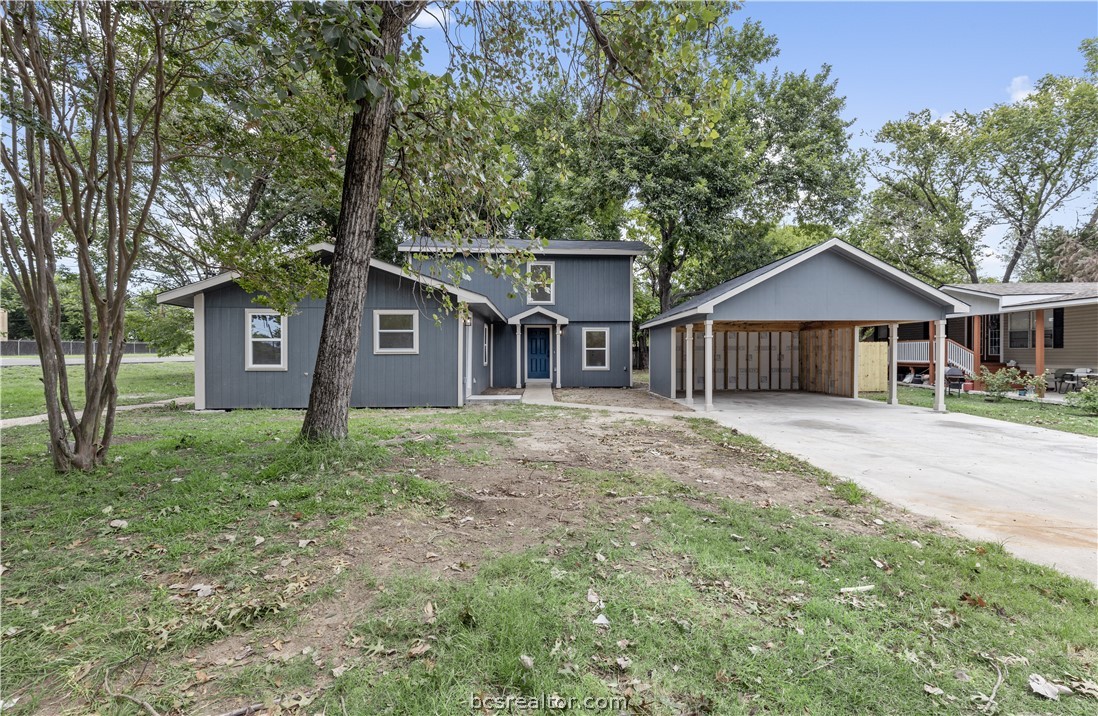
[(500, 54), (86, 86)]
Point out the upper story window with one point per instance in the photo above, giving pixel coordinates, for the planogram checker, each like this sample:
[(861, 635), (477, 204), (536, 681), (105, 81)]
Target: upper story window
[(265, 347), (396, 331), (542, 281)]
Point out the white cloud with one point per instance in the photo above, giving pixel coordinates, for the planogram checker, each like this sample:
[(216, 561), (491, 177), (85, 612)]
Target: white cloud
[(1020, 87), (434, 15)]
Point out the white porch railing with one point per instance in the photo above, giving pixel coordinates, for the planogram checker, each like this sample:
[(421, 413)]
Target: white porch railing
[(919, 352), (913, 352), (959, 356)]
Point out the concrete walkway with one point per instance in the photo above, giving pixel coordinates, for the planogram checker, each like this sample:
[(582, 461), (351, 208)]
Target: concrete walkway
[(541, 394), (35, 419), (1033, 489), (6, 361)]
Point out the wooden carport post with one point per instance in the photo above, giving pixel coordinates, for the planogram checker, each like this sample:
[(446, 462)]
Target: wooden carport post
[(939, 361), (893, 366), (977, 336), (1039, 342)]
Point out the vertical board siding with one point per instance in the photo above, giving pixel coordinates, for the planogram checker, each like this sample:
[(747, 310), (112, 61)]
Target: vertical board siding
[(427, 378), (659, 360), (480, 371), (826, 361), (571, 356)]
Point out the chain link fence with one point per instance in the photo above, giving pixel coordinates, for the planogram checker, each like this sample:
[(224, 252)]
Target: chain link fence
[(71, 348)]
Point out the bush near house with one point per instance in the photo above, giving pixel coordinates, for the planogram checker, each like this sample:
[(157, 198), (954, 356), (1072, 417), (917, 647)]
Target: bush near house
[(1085, 399)]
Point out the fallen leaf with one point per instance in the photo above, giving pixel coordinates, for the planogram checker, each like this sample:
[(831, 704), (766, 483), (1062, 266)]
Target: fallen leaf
[(624, 662), (340, 670), (419, 650), (429, 612), (302, 543), (961, 675), (973, 599), (1043, 687), (932, 690), (1085, 687), (202, 590), (592, 596), (119, 524), (862, 588), (259, 540), (601, 620), (272, 503), (527, 662), (600, 557)]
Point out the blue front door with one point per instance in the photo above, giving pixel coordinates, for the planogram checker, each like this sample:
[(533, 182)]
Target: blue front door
[(537, 353)]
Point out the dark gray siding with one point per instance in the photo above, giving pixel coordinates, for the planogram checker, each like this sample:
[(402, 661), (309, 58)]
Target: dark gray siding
[(588, 288), (480, 371), (659, 360), (829, 287), (503, 366), (573, 375), (429, 378)]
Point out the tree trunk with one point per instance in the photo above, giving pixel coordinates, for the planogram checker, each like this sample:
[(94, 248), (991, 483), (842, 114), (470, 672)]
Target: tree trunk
[(663, 281), (1015, 256), (355, 236)]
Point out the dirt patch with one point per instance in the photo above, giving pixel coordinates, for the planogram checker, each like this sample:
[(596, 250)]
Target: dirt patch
[(540, 484), (619, 398), (502, 391)]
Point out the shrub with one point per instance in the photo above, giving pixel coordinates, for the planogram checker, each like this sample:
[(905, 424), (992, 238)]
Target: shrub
[(1000, 382), (1085, 399)]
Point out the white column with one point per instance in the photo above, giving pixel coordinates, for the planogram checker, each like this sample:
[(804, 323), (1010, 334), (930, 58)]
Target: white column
[(709, 365), (460, 362), (893, 366), (518, 356), (939, 366), (200, 351), (557, 356), (492, 356), (689, 377), (857, 366), (674, 362), (468, 359)]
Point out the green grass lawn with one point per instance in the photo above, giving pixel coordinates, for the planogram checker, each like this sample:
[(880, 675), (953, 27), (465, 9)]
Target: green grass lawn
[(21, 386), (1046, 415), (712, 604)]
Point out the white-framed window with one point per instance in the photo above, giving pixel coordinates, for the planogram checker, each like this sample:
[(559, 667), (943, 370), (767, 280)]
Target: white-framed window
[(1020, 330), (541, 276), (596, 349), (264, 340), (396, 331), (485, 344)]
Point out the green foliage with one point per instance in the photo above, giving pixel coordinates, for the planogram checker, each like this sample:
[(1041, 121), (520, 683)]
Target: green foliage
[(1000, 382), (1085, 399), (137, 383), (168, 329)]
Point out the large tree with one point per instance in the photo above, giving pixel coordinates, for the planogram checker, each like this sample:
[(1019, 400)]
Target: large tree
[(923, 215), (512, 50), (1037, 155), (86, 88)]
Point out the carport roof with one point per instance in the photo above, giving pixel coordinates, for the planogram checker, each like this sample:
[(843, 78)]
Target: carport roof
[(704, 303)]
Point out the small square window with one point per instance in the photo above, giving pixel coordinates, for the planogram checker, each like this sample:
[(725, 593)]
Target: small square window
[(264, 347), (596, 349), (396, 331), (541, 278)]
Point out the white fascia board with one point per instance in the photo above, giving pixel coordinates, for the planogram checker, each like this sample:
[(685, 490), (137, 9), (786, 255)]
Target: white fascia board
[(1067, 302), (460, 294), (197, 287), (655, 322), (517, 318), (509, 250), (1014, 300)]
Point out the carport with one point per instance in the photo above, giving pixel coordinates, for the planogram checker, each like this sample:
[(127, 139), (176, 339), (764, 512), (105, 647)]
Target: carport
[(793, 326)]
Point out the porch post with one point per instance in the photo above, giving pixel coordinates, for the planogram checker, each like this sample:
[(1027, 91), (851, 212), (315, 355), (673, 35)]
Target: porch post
[(709, 365), (893, 367), (1039, 338), (939, 367), (977, 336), (674, 360), (689, 377), (857, 366), (558, 355), (932, 351), (492, 355), (518, 355), (468, 358)]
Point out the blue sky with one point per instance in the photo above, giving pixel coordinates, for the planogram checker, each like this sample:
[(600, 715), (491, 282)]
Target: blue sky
[(892, 58)]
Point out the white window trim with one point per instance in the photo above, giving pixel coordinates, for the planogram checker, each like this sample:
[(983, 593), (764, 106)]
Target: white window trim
[(248, 340), (486, 344), (552, 282), (606, 350), (378, 350)]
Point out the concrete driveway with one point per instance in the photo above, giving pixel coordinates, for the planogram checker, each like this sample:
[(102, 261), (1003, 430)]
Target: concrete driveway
[(1033, 489)]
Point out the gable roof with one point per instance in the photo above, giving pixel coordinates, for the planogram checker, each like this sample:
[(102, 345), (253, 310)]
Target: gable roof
[(517, 318), (1028, 296), (704, 303), (553, 246), (184, 295)]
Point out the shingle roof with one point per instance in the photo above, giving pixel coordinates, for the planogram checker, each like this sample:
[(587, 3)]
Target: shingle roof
[(1040, 291), (556, 246)]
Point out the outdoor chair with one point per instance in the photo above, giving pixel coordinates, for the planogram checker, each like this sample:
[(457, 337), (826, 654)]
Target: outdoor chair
[(1058, 377), (1076, 379)]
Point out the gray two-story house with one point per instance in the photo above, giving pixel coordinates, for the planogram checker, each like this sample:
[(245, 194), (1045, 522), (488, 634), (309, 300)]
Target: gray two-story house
[(573, 328)]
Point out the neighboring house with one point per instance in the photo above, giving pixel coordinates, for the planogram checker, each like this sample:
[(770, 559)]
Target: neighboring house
[(573, 330), (790, 325), (1039, 327)]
